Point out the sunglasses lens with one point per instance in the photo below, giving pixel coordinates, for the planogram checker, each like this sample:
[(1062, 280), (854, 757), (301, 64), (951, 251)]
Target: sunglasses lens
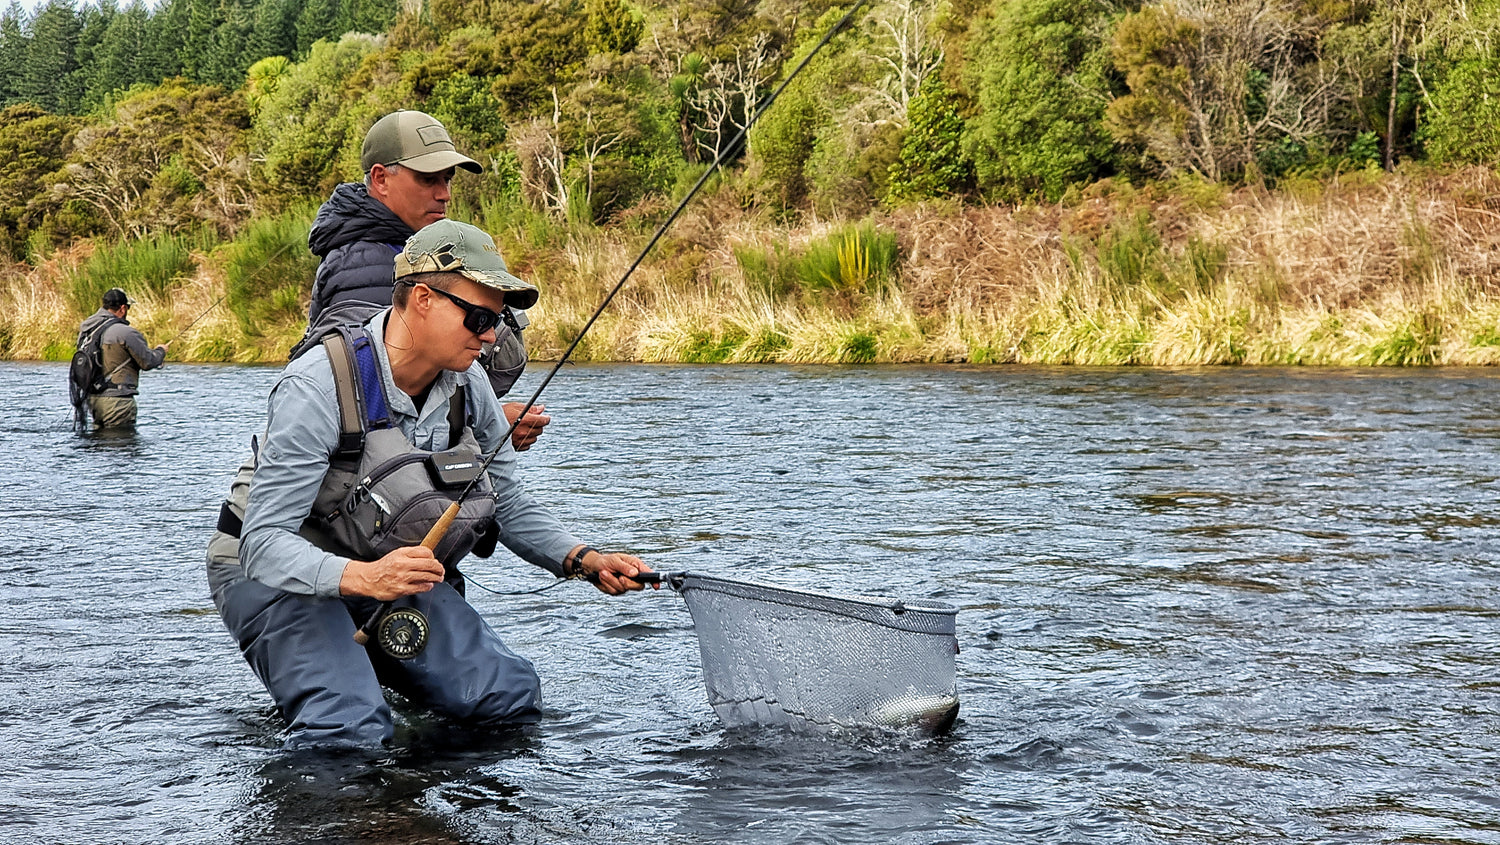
[(480, 320)]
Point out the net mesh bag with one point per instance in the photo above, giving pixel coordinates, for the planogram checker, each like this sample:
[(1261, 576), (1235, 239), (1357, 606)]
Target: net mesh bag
[(776, 656)]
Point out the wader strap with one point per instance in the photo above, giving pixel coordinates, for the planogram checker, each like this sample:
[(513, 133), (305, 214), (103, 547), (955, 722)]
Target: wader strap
[(457, 414), (345, 385), (228, 522)]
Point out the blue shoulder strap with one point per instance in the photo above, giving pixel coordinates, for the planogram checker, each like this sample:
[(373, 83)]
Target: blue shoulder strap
[(361, 392), (371, 385), (359, 388)]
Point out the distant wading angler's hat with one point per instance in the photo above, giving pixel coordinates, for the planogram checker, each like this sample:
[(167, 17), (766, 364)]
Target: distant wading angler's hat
[(114, 298), (449, 246), (413, 139)]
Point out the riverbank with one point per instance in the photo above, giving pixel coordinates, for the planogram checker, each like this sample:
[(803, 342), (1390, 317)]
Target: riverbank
[(1367, 268)]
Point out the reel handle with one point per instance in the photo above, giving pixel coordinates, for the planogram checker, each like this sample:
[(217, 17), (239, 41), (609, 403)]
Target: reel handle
[(434, 536)]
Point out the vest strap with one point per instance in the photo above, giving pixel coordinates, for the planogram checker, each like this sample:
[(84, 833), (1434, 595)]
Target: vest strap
[(361, 393), (346, 387)]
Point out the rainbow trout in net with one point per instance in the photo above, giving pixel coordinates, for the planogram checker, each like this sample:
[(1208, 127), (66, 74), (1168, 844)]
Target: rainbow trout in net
[(778, 656)]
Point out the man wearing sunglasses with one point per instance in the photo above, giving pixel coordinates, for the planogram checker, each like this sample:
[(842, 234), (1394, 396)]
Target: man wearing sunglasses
[(409, 162), (293, 598)]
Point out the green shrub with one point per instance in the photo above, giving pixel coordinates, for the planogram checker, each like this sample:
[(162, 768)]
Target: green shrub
[(1041, 74), (1206, 263), (148, 266), (270, 272), (859, 347), (1411, 343), (59, 350), (771, 270), (1130, 253), (707, 349), (1464, 124), (766, 344), (931, 162), (855, 260)]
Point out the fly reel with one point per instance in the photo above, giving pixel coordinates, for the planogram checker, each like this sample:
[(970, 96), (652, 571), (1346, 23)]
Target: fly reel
[(402, 633)]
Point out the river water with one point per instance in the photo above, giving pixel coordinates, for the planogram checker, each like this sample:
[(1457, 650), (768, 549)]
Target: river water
[(1209, 605)]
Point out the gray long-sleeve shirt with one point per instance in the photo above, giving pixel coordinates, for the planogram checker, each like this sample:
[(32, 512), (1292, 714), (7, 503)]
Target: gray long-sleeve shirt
[(123, 353), (302, 430)]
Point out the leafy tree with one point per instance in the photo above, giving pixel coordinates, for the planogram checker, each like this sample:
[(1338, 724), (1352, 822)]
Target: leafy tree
[(167, 157), (527, 48), (932, 162), (1041, 74), (307, 133), (1216, 87), (1391, 56), (1463, 125), (369, 16), (782, 142), (622, 134), (612, 27), (467, 108), (819, 136), (33, 145)]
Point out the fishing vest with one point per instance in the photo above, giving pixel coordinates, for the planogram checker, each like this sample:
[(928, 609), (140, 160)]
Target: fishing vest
[(382, 493)]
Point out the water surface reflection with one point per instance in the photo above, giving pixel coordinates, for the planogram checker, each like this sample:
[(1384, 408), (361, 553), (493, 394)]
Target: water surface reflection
[(1217, 606)]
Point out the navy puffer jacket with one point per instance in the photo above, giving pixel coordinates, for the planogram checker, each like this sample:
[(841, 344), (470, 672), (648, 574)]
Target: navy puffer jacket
[(357, 237)]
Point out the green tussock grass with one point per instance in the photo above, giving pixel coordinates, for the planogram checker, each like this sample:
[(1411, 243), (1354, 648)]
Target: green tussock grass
[(1378, 270)]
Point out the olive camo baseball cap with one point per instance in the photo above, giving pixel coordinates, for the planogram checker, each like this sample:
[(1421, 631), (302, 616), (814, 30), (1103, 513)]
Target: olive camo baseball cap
[(449, 246), (413, 139)]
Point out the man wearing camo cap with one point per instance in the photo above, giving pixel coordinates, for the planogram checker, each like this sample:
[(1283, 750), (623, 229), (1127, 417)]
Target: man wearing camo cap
[(409, 162), (296, 567)]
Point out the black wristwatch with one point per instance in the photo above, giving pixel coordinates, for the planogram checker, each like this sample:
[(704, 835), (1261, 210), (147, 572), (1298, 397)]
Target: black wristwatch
[(576, 569)]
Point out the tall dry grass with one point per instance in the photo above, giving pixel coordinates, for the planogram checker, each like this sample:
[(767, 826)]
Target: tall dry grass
[(1367, 269)]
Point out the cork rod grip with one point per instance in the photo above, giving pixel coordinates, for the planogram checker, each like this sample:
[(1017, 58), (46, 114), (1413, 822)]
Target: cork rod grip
[(434, 536)]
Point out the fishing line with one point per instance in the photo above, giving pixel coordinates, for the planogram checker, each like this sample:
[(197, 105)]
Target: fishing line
[(402, 622)]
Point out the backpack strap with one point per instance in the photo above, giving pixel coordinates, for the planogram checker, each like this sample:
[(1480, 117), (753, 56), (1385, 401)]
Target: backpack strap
[(94, 348), (94, 341), (360, 390)]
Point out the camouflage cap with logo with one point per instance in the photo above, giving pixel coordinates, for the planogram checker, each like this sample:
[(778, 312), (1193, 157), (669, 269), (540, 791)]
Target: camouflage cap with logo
[(449, 246), (413, 139)]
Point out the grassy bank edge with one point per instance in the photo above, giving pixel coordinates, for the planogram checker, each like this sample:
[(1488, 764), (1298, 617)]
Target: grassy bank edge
[(1369, 269)]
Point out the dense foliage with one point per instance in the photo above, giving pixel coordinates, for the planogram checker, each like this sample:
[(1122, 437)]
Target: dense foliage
[(210, 114)]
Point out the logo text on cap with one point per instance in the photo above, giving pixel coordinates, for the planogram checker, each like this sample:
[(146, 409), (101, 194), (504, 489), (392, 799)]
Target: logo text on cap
[(430, 135)]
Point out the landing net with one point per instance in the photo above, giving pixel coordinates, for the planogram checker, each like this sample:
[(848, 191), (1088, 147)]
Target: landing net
[(776, 656)]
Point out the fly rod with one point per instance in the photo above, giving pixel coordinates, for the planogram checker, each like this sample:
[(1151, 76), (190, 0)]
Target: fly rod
[(411, 618)]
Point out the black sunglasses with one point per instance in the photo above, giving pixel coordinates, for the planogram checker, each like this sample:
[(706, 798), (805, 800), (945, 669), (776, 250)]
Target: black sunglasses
[(477, 318)]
